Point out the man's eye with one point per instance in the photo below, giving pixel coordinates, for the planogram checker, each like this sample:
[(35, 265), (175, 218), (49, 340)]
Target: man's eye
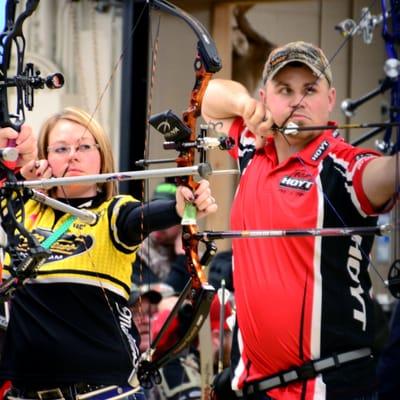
[(284, 90), (310, 90)]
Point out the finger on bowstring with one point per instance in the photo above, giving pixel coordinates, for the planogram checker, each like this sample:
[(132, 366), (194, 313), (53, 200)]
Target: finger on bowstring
[(38, 167), (44, 171)]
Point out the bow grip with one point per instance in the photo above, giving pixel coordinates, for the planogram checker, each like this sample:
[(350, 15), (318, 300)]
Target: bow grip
[(9, 155)]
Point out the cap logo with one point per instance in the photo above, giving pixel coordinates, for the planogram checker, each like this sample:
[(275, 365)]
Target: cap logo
[(278, 59)]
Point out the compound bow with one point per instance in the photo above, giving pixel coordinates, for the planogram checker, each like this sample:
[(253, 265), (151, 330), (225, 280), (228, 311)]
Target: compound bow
[(182, 136), (26, 80)]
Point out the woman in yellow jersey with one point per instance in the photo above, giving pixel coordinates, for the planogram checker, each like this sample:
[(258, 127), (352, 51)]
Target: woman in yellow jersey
[(70, 328)]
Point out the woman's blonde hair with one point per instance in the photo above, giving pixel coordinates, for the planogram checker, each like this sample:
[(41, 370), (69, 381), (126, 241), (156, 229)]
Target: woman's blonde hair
[(91, 125)]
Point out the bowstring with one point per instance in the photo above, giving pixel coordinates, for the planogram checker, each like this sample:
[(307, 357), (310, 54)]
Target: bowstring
[(91, 118), (146, 155)]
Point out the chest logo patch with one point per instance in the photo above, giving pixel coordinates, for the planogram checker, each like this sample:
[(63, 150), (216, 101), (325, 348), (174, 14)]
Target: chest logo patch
[(66, 246), (296, 183)]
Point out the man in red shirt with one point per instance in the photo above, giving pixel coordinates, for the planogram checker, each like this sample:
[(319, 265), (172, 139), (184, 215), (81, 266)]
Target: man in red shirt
[(304, 312)]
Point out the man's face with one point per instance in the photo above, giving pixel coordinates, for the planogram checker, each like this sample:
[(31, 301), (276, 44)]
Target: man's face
[(294, 91), (142, 314)]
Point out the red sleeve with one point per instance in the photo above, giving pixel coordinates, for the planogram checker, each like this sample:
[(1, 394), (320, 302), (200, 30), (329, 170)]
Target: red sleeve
[(357, 169)]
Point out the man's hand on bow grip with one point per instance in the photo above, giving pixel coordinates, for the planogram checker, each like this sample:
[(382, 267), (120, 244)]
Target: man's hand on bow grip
[(201, 198), (258, 120)]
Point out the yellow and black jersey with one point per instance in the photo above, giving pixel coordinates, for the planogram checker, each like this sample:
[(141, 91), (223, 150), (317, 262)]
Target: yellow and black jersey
[(85, 253), (71, 322)]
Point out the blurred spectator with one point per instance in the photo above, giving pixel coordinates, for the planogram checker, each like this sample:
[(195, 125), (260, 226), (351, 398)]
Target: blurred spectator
[(221, 268), (143, 303)]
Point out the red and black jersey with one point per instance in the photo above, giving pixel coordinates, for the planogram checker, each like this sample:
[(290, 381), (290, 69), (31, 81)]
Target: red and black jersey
[(301, 298)]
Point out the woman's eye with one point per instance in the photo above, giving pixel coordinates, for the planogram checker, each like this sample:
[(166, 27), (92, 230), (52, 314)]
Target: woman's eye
[(84, 147), (61, 149)]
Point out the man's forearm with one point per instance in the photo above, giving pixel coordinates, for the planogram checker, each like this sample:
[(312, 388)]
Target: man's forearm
[(379, 180), (224, 99)]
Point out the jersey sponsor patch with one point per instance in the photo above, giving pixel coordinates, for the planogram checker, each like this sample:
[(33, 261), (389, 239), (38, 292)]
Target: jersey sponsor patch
[(296, 183), (354, 270), (321, 150), (67, 245)]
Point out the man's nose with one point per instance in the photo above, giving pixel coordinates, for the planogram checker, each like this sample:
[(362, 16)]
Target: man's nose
[(297, 100)]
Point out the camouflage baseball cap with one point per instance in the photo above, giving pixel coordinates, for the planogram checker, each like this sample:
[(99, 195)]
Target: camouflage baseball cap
[(305, 53)]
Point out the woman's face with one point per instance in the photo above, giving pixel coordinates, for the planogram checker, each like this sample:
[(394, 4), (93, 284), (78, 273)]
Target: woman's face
[(72, 151)]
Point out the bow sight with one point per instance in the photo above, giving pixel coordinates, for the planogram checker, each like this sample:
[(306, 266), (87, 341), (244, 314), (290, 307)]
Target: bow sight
[(177, 136), (26, 78)]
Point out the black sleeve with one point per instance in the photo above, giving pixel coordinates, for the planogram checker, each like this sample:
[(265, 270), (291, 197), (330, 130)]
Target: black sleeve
[(136, 220)]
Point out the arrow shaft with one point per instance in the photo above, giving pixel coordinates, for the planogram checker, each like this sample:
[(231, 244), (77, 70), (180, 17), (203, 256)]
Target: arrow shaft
[(202, 170), (375, 230), (345, 126)]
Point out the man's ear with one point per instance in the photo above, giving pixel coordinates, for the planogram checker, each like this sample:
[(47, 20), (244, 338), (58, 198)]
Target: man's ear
[(263, 95), (332, 98)]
